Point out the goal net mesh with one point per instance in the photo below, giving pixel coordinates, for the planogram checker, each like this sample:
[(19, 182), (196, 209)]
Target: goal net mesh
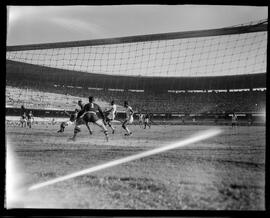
[(238, 50)]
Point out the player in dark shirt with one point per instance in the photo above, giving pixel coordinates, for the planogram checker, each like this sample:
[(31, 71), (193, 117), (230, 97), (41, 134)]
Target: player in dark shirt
[(89, 114), (147, 120), (23, 112), (23, 120), (72, 118)]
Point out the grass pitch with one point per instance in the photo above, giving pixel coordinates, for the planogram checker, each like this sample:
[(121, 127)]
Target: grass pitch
[(226, 172)]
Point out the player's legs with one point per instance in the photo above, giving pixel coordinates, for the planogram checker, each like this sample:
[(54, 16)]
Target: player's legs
[(24, 123), (109, 122), (100, 123), (145, 123), (89, 129), (141, 123), (77, 128), (30, 123), (124, 125)]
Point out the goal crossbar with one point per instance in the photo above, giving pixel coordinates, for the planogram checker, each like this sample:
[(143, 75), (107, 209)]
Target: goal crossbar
[(143, 38)]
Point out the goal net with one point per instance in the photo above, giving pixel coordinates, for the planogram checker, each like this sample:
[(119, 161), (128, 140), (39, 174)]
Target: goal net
[(237, 50)]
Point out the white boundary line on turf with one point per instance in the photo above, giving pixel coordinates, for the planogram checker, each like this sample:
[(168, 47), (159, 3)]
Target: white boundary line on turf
[(193, 139)]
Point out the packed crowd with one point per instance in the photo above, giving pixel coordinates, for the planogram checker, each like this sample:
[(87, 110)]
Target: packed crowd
[(52, 96)]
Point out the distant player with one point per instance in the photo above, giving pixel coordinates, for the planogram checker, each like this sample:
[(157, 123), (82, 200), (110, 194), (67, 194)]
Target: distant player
[(23, 120), (234, 120), (30, 119), (110, 115), (72, 118), (53, 122), (147, 120), (23, 110), (129, 118), (89, 114), (141, 120)]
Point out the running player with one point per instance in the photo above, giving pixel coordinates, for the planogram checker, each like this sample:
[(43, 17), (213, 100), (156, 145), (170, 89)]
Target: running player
[(72, 118), (129, 118), (110, 115), (89, 114), (147, 120)]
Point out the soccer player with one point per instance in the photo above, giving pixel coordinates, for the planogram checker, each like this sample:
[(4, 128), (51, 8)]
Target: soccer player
[(129, 118), (110, 115), (80, 110), (72, 118), (141, 117), (30, 119), (23, 120), (147, 120), (234, 120), (23, 110), (89, 114)]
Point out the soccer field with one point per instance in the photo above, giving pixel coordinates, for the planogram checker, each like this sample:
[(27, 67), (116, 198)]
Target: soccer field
[(225, 172)]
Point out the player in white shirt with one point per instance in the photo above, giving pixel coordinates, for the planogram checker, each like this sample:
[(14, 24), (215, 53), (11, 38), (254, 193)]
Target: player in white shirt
[(234, 120), (129, 118), (141, 116), (110, 115)]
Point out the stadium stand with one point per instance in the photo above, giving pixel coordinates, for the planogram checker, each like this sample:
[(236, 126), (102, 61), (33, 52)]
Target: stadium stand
[(51, 97)]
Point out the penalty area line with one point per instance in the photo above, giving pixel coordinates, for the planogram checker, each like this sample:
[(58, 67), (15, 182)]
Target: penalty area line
[(193, 139)]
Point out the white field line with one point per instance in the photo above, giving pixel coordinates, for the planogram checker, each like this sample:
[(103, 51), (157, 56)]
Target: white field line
[(196, 138)]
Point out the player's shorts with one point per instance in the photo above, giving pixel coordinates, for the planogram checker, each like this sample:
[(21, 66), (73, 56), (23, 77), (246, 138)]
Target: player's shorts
[(146, 120), (79, 121), (110, 118), (129, 120), (90, 117)]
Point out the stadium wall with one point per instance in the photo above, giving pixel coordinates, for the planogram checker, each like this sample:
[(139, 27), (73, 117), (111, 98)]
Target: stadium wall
[(162, 118)]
